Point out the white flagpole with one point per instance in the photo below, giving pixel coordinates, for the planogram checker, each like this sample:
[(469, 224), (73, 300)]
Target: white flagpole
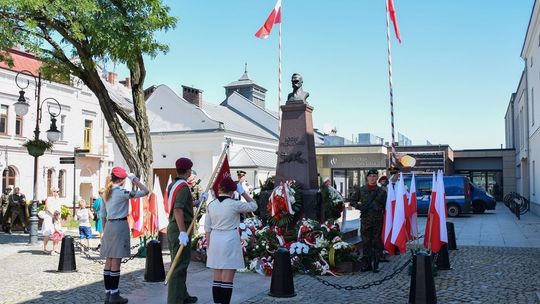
[(393, 158), (279, 72)]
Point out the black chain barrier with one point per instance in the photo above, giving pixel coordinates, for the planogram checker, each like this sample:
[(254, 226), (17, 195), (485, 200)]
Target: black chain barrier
[(364, 286), (85, 251)]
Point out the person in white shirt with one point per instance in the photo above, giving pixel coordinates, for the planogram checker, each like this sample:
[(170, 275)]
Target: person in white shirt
[(224, 245), (84, 216)]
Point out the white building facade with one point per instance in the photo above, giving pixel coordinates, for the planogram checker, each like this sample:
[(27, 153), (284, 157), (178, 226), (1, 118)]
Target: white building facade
[(80, 122)]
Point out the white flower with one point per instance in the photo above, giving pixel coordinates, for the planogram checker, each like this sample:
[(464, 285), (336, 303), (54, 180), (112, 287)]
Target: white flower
[(305, 249), (242, 226)]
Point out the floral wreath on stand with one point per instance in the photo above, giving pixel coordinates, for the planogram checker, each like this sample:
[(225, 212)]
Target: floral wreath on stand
[(284, 203), (333, 202)]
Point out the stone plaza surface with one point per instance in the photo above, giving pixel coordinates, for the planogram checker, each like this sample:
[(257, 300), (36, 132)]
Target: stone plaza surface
[(497, 261)]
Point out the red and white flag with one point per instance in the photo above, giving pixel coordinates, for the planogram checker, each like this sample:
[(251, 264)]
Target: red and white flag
[(162, 220), (137, 213), (436, 235), (166, 195), (412, 212), (388, 219), (430, 211), (393, 17), (399, 230), (224, 171), (274, 18)]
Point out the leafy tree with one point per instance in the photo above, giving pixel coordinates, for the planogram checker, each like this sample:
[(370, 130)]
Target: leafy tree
[(72, 36)]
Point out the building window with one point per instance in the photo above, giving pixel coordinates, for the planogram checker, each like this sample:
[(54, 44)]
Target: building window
[(50, 176), (8, 178), (62, 126), (62, 183), (18, 125), (87, 144), (3, 119)]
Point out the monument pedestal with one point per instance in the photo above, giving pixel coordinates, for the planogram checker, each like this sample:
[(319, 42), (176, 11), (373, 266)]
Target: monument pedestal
[(296, 156)]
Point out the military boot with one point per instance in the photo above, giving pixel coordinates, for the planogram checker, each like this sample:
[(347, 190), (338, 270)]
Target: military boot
[(115, 298), (366, 264), (376, 265)]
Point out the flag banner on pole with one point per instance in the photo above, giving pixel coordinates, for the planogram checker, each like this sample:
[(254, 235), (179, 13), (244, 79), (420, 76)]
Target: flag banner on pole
[(274, 18), (166, 195), (162, 219), (388, 220), (436, 234), (137, 213), (427, 233), (399, 231), (412, 211), (393, 17), (224, 171)]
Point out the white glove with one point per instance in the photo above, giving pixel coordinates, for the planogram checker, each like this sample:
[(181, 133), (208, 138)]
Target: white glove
[(132, 177), (196, 203), (240, 189), (183, 238), (204, 196)]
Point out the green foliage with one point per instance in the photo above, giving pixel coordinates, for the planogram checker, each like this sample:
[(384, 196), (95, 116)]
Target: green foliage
[(64, 212), (47, 145)]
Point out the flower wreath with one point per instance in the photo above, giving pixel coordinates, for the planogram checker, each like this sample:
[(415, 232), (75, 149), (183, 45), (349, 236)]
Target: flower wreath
[(282, 204), (333, 202)]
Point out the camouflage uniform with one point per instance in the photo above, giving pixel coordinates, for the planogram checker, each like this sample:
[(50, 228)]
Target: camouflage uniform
[(371, 224), (17, 206), (4, 204)]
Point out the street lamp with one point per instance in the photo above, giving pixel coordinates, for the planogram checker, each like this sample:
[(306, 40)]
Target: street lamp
[(21, 109)]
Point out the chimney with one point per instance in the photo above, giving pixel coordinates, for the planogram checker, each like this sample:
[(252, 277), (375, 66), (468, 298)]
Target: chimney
[(192, 95), (126, 83), (111, 78)]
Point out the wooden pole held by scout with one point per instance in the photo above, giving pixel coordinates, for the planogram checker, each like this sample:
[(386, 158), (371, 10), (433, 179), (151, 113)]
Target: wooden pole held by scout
[(190, 228)]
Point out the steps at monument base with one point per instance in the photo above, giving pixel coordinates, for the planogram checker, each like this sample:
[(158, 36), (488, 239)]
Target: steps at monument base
[(349, 232)]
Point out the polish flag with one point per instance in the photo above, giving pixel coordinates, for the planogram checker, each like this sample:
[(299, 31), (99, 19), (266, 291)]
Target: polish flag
[(399, 229), (166, 196), (427, 233), (393, 17), (411, 211), (437, 218), (137, 212), (274, 18), (162, 220), (388, 219)]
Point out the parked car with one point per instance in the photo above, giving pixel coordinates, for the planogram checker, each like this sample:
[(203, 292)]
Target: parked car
[(458, 190), (481, 200)]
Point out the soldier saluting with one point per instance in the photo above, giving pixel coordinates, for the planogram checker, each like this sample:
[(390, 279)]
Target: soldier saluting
[(371, 202)]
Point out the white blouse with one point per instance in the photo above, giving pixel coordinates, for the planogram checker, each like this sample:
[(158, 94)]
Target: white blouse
[(225, 215)]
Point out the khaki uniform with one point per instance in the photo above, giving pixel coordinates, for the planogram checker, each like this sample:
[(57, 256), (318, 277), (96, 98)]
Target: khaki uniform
[(177, 289), (5, 218), (371, 222)]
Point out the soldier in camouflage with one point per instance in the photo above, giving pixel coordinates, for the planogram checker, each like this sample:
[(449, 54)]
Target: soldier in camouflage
[(371, 202), (5, 217)]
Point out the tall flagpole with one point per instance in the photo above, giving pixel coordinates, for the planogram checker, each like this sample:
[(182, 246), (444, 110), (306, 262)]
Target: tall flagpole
[(279, 73), (393, 159)]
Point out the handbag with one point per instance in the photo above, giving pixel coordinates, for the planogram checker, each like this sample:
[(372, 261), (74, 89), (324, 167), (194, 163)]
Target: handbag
[(94, 212)]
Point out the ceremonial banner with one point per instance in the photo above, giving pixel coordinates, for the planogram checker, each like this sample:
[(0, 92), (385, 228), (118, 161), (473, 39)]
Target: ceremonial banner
[(274, 18)]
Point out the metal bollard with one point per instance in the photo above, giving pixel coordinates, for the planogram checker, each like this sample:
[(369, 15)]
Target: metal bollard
[(282, 285), (67, 255), (422, 289), (451, 232), (443, 258), (154, 270)]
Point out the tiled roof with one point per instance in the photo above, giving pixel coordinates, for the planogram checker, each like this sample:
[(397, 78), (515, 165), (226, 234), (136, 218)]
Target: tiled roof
[(22, 61), (249, 158)]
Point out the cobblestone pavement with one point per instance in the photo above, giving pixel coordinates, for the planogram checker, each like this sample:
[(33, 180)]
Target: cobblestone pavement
[(478, 275)]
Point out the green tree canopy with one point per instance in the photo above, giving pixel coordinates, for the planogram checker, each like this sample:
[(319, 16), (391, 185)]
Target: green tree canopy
[(72, 36)]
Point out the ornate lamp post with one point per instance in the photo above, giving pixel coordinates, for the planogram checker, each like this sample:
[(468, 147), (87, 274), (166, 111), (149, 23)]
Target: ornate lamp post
[(36, 147)]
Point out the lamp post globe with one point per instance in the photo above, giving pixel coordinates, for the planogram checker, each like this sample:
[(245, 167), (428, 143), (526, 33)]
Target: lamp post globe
[(21, 106)]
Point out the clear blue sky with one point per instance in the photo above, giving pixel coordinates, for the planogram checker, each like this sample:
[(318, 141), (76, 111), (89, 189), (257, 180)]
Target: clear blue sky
[(454, 72)]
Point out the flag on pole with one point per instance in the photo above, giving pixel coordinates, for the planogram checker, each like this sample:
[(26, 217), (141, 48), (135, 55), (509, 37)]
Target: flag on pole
[(162, 220), (224, 171), (427, 233), (412, 212), (393, 17), (436, 226), (166, 195), (399, 230), (274, 18), (388, 219), (137, 212)]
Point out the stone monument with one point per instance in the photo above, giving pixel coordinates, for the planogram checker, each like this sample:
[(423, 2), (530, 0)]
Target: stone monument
[(296, 152)]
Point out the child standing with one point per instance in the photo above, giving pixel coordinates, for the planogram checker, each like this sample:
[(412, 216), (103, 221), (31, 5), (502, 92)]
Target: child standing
[(84, 216), (57, 234)]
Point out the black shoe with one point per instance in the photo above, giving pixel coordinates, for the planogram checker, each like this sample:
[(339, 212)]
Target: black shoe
[(190, 300), (26, 231), (376, 266), (115, 298), (366, 268), (9, 231)]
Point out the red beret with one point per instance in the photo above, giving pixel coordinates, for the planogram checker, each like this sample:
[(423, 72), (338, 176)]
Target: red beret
[(228, 184), (119, 172), (183, 163)]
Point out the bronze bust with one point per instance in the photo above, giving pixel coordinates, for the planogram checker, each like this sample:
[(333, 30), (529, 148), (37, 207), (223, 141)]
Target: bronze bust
[(298, 94)]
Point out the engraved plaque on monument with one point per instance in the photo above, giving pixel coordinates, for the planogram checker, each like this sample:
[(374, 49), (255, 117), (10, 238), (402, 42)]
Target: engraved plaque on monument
[(296, 152)]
